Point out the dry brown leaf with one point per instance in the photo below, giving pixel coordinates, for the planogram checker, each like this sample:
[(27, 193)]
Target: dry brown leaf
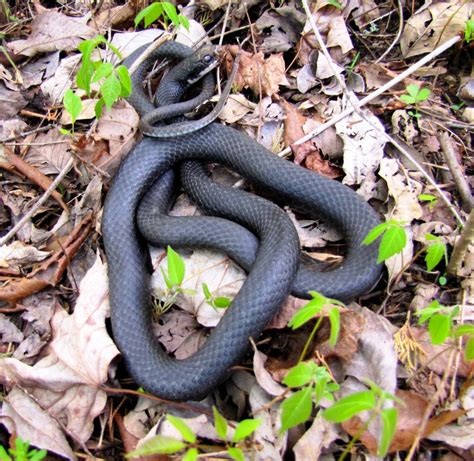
[(22, 415), (66, 381), (434, 25), (262, 75), (11, 102), (17, 254), (9, 332), (50, 152), (51, 31), (264, 378)]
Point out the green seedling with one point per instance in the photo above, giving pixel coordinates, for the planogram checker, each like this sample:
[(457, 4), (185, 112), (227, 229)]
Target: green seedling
[(415, 95), (164, 10)]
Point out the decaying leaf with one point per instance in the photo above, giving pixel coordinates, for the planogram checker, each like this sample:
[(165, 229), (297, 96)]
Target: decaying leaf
[(66, 381), (16, 255), (51, 31), (434, 25), (262, 75)]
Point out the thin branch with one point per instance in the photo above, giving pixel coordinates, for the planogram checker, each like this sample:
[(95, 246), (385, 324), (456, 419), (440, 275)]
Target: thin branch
[(461, 246), (399, 32), (40, 202)]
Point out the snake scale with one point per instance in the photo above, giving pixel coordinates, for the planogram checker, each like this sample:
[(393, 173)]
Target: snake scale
[(272, 257)]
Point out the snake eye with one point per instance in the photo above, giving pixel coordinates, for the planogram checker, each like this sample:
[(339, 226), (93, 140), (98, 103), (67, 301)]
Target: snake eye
[(207, 58)]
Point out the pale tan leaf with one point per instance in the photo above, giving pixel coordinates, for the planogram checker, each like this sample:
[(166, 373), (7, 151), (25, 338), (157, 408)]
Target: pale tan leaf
[(16, 255), (22, 415), (66, 381), (51, 31)]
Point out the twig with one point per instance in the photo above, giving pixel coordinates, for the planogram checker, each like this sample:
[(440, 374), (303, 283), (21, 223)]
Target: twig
[(455, 169), (153, 46), (441, 49), (461, 246), (399, 32), (26, 133), (40, 202)]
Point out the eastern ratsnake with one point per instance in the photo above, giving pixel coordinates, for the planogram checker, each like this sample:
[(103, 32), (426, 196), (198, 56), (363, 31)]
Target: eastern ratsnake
[(271, 275)]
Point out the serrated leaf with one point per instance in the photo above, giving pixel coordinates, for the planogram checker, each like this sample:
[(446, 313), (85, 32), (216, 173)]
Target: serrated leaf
[(439, 328), (349, 406), (375, 232), (191, 455), (469, 349), (296, 409), (236, 453), (183, 428), (110, 90), (125, 81), (176, 268), (159, 444), (245, 428), (389, 419), (73, 104), (300, 375), (220, 424), (103, 70), (335, 321), (434, 254), (393, 241)]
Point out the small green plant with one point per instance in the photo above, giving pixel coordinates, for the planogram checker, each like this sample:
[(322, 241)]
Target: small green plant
[(373, 400), (72, 104), (114, 81), (166, 11), (468, 331), (428, 198), (353, 63), (22, 452), (469, 31), (335, 3), (435, 251), (440, 320), (393, 240), (218, 302), (415, 95), (316, 384), (189, 447)]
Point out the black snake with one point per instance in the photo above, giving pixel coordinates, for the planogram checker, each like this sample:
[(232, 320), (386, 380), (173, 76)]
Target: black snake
[(272, 272)]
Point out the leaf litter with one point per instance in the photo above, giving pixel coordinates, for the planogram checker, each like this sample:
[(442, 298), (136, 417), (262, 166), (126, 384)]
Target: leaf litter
[(58, 350)]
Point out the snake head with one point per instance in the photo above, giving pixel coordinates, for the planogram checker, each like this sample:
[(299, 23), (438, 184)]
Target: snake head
[(202, 62)]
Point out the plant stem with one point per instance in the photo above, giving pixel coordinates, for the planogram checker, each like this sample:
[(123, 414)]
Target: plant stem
[(310, 339)]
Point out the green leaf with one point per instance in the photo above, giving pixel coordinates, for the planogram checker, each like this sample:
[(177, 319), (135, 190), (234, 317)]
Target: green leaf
[(103, 70), (110, 90), (393, 241), (220, 423), (335, 3), (465, 329), (99, 105), (413, 90), (434, 254), (300, 374), (125, 81), (349, 406), (427, 198), (191, 455), (221, 302), (389, 419), (469, 349), (4, 456), (83, 77), (64, 131), (408, 99), (73, 104), (307, 312), (183, 428), (37, 455), (236, 453), (375, 233), (159, 444), (206, 291), (184, 21), (296, 409), (423, 94), (439, 328), (429, 310), (335, 320), (176, 268), (150, 14), (170, 12), (245, 428)]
